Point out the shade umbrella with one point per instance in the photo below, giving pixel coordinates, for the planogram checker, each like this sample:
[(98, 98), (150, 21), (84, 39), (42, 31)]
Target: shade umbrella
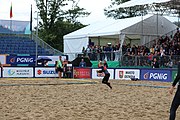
[(41, 59)]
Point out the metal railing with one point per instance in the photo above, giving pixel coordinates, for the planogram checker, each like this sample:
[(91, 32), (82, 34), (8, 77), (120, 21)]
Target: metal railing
[(94, 56), (167, 61), (46, 46), (164, 61)]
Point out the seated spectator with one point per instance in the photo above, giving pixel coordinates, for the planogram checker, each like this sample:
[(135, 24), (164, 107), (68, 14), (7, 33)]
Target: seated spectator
[(170, 63), (82, 63)]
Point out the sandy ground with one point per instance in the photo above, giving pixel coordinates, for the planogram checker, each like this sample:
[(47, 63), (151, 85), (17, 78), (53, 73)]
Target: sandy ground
[(53, 99)]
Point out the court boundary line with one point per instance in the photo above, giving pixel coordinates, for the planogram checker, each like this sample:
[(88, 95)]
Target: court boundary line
[(145, 85)]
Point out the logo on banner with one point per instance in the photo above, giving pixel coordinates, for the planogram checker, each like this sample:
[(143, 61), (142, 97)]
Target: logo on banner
[(146, 75), (13, 60), (39, 72), (11, 72), (155, 76), (121, 74), (20, 59)]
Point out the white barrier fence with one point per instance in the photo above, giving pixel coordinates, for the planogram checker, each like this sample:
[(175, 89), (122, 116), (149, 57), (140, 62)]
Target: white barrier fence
[(45, 72), (165, 75)]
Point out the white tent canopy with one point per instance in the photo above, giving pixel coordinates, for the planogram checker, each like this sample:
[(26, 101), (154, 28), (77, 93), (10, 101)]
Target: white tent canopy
[(139, 2), (147, 29)]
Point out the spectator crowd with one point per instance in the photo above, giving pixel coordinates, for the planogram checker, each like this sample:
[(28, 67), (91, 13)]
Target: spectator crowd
[(166, 50)]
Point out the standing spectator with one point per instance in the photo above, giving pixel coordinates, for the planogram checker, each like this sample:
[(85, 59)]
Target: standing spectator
[(88, 51), (65, 62), (59, 66), (162, 56), (108, 51), (155, 63), (82, 63), (84, 51)]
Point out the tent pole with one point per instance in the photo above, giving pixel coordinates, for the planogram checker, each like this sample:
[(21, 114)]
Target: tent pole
[(98, 40), (142, 27), (157, 28)]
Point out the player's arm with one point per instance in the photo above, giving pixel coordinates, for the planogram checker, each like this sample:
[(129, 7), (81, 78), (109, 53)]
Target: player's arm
[(175, 81)]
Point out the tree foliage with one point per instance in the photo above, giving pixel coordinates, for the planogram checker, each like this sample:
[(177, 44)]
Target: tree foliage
[(123, 12), (133, 11), (56, 21)]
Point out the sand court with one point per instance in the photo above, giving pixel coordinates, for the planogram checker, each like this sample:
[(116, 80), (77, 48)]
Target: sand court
[(68, 99)]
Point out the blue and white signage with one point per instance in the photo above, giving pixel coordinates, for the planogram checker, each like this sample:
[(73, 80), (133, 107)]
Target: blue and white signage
[(156, 75), (20, 59), (45, 72), (17, 72)]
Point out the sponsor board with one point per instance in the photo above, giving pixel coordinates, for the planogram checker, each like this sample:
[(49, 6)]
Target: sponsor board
[(95, 75), (14, 60), (82, 73), (17, 72), (45, 72), (156, 75), (127, 74)]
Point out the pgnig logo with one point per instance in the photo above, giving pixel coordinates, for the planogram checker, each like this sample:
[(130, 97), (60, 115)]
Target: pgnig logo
[(155, 76), (146, 75), (11, 72), (13, 60)]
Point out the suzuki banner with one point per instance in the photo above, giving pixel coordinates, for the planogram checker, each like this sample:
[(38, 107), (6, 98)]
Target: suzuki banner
[(45, 72), (163, 75)]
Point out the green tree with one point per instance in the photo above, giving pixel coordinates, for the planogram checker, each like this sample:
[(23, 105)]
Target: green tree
[(133, 11), (56, 21), (123, 12)]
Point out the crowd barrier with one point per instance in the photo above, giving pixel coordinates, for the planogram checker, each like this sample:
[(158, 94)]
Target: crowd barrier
[(151, 74)]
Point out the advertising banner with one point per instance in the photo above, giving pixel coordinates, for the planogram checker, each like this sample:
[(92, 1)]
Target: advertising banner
[(17, 72), (156, 75), (45, 72), (127, 74), (82, 73), (96, 76), (14, 60)]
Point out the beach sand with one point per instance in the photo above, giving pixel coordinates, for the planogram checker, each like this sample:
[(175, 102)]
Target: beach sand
[(55, 99)]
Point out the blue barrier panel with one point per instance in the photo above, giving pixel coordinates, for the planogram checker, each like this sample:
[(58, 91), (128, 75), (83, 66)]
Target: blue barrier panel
[(163, 75), (14, 60)]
